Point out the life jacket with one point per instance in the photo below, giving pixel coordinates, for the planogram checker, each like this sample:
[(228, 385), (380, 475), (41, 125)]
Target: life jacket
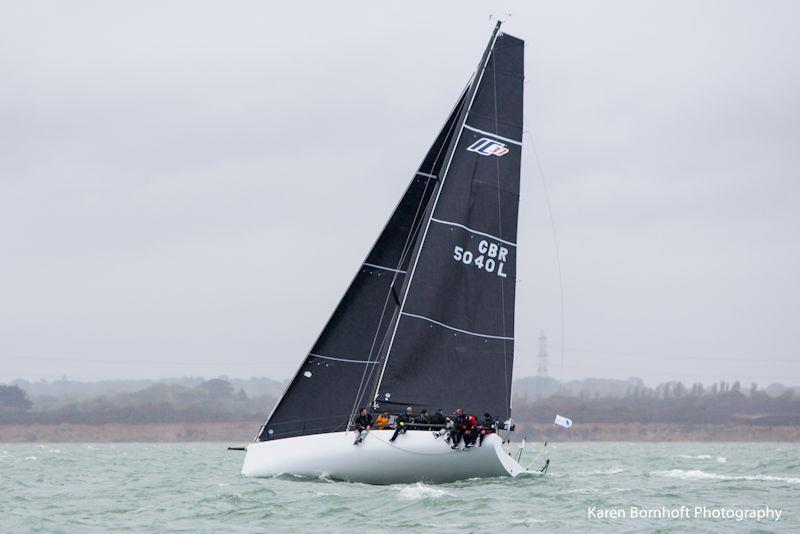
[(472, 421), (382, 422)]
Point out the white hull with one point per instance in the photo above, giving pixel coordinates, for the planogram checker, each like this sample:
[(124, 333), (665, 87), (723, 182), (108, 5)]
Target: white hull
[(415, 456)]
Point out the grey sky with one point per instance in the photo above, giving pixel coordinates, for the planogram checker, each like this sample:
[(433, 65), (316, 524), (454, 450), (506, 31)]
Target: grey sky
[(187, 188)]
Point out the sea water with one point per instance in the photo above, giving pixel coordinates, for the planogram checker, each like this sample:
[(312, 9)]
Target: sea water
[(197, 487)]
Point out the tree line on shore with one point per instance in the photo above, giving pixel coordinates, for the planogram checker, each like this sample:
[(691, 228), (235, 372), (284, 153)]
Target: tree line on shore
[(673, 402), (209, 401), (536, 400)]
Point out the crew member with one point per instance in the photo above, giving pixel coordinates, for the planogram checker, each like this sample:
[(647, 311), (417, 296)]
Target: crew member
[(487, 426), (424, 420), (438, 419), (471, 433), (382, 422), (400, 423), (363, 424), (460, 426), (447, 430)]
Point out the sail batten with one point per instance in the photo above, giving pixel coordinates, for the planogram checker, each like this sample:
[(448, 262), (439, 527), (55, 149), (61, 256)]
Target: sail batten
[(348, 360), (473, 231), (476, 334), (390, 269)]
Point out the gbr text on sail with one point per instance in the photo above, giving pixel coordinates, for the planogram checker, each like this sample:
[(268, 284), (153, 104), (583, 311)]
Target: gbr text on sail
[(489, 257)]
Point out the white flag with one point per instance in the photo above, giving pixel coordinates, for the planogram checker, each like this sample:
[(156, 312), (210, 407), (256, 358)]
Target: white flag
[(563, 421)]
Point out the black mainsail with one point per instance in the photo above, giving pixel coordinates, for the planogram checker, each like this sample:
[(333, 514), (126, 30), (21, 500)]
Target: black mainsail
[(428, 319)]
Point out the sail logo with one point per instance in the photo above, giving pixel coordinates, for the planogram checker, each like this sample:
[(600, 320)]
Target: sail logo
[(488, 147)]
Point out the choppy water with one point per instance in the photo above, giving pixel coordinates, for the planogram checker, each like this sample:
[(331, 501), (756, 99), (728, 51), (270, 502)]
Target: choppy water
[(197, 487)]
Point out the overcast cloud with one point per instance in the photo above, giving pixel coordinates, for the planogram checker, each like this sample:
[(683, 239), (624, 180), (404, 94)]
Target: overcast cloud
[(186, 188)]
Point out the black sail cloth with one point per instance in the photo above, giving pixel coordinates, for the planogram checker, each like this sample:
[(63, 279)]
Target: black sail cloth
[(453, 342), (428, 320), (339, 371)]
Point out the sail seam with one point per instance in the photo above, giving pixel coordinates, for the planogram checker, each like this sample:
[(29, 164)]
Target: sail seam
[(340, 359), (384, 268), (484, 132), (477, 334), (467, 228)]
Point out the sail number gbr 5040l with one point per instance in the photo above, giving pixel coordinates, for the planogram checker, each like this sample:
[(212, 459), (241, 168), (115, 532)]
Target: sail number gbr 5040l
[(490, 257)]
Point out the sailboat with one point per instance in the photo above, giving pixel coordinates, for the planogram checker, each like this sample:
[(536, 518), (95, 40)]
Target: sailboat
[(428, 320)]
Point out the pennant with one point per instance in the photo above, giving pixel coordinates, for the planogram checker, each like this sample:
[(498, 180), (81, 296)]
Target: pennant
[(563, 421)]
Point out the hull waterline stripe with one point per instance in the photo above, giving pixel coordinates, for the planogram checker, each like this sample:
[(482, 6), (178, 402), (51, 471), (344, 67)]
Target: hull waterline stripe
[(426, 175), (384, 268), (484, 132), (434, 219), (340, 359), (454, 328)]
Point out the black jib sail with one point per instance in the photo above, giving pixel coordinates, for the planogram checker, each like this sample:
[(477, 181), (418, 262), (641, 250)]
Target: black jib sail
[(343, 363), (428, 320)]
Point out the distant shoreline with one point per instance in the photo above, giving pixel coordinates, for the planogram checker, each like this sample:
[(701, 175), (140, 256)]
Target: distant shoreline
[(221, 431), (244, 431), (660, 432)]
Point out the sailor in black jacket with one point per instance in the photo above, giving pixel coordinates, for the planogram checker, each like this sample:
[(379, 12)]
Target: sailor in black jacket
[(461, 426), (438, 418), (487, 426), (400, 423), (424, 420), (363, 424)]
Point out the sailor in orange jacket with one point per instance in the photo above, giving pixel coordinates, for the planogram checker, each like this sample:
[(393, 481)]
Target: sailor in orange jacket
[(382, 422)]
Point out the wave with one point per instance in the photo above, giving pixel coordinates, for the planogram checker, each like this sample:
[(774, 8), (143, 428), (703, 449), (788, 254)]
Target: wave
[(609, 471), (696, 474), (419, 491), (325, 494), (529, 522), (720, 459)]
